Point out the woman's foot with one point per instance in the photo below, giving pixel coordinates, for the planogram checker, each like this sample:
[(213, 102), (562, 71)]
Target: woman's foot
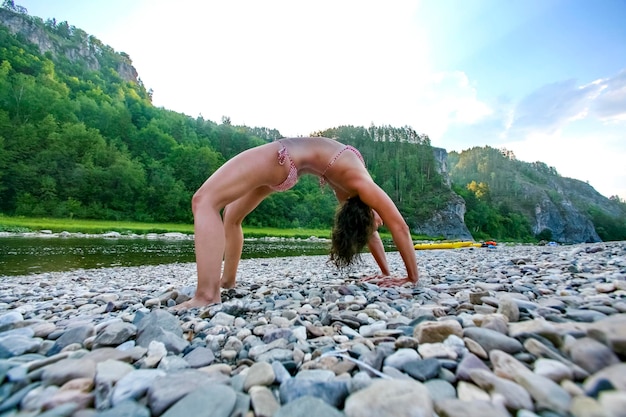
[(196, 303), (394, 282), (228, 283)]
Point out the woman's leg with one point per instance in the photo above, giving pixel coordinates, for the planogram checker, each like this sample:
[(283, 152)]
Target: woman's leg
[(209, 246), (251, 169), (234, 213)]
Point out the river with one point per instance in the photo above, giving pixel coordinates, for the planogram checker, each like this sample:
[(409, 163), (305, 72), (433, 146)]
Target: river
[(30, 255)]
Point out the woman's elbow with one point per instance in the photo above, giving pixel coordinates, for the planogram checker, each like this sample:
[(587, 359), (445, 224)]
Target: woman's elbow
[(400, 229)]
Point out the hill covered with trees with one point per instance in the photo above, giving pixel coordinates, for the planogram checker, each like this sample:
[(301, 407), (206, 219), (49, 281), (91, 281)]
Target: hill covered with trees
[(507, 198)]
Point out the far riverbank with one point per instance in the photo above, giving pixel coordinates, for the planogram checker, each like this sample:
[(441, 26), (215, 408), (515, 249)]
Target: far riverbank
[(51, 227)]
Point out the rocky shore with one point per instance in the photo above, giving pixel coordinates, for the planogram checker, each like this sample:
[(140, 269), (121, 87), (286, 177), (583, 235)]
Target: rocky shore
[(509, 331)]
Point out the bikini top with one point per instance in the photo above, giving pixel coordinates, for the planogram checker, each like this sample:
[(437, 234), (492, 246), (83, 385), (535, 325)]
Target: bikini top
[(292, 176), (337, 155)]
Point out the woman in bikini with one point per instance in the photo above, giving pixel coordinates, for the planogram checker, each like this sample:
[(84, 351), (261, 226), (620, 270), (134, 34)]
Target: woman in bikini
[(244, 181)]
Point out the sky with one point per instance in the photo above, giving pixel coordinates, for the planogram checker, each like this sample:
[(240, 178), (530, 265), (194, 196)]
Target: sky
[(545, 79)]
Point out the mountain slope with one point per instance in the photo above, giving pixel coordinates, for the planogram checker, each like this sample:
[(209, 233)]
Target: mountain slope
[(555, 207)]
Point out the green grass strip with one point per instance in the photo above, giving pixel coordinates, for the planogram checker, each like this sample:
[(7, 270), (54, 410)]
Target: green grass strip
[(32, 224)]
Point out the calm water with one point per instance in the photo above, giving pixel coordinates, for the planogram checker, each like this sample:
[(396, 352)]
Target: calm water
[(20, 255)]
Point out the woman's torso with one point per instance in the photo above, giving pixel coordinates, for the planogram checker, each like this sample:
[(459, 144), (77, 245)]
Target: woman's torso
[(325, 157)]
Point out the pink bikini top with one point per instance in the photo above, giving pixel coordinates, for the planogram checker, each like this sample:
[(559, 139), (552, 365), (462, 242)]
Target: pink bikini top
[(292, 177), (332, 161)]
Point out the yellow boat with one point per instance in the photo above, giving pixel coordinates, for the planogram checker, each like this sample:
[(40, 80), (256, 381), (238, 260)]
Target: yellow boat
[(443, 245)]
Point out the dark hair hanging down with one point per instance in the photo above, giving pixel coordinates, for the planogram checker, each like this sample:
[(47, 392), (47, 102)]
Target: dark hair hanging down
[(354, 225)]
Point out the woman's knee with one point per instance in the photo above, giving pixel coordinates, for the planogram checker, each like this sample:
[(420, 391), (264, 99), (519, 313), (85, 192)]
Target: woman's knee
[(202, 200), (231, 217)]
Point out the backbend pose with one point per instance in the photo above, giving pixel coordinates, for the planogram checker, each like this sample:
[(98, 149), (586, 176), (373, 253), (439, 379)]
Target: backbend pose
[(244, 181)]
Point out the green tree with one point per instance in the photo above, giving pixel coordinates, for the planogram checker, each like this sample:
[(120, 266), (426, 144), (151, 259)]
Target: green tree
[(193, 165)]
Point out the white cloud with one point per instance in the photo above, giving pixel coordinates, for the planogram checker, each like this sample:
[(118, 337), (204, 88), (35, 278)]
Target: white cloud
[(610, 104), (577, 129), (289, 65), (444, 100), (454, 97), (548, 108), (553, 106)]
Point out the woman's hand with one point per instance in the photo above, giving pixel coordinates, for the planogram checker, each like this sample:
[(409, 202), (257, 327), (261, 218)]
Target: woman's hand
[(374, 278)]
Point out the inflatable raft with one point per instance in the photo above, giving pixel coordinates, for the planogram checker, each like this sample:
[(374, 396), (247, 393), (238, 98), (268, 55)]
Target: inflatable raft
[(445, 245)]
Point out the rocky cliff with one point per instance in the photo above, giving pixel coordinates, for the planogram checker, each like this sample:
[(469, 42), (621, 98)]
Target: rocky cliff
[(558, 209), (565, 222), (79, 47), (449, 221)]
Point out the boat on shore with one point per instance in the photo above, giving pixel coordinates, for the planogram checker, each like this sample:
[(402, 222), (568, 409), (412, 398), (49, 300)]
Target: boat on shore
[(455, 245), (445, 245)]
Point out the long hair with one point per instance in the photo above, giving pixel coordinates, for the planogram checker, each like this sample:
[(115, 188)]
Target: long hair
[(354, 225)]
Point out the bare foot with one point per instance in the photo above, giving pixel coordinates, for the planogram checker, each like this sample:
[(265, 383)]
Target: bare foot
[(392, 282), (195, 303), (227, 284)]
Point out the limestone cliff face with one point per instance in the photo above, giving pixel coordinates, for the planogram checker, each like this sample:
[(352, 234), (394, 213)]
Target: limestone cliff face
[(557, 213), (441, 156), (87, 49), (450, 221), (566, 223)]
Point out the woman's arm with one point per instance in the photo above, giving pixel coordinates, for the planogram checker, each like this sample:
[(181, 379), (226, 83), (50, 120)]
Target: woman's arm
[(377, 249), (374, 244), (374, 196)]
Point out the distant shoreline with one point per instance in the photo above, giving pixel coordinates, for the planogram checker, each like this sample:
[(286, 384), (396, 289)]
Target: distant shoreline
[(48, 227)]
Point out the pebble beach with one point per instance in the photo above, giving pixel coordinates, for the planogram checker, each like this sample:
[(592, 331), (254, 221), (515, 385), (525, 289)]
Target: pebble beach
[(516, 330)]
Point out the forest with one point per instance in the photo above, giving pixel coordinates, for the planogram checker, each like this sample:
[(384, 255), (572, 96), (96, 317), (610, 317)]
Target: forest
[(79, 138)]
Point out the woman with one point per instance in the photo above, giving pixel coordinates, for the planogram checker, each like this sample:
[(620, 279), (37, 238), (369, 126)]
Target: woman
[(244, 181)]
